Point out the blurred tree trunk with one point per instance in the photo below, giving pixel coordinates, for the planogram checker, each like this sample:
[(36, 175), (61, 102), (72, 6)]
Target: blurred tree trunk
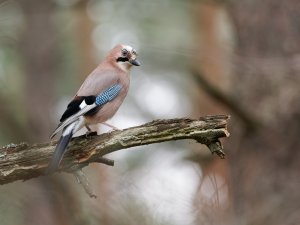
[(265, 165), (84, 38), (38, 47), (212, 62), (212, 58)]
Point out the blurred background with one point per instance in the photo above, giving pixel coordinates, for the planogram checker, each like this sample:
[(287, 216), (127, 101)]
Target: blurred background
[(237, 57)]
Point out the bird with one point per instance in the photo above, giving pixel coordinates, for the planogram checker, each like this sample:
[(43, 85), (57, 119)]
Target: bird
[(97, 100)]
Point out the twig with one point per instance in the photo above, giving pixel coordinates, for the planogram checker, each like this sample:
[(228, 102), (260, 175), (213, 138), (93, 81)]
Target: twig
[(82, 179), (23, 161), (251, 123)]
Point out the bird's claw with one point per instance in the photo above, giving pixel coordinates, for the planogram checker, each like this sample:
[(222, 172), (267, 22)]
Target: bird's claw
[(90, 134)]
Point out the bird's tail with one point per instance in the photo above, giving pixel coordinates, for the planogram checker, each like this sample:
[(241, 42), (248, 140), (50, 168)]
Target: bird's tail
[(61, 148)]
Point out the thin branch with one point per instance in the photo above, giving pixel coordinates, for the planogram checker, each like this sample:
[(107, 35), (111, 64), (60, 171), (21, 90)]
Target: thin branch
[(250, 122), (82, 179), (23, 161)]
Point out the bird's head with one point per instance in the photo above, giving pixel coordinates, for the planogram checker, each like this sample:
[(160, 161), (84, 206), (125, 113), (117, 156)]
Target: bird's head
[(124, 56)]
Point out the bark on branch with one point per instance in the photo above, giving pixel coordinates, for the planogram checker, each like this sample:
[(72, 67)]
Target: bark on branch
[(23, 161)]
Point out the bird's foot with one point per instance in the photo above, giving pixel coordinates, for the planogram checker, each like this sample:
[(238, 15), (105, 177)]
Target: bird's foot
[(111, 126), (90, 134)]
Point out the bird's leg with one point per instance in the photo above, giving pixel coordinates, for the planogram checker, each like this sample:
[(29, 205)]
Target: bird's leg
[(111, 126), (89, 132), (88, 128)]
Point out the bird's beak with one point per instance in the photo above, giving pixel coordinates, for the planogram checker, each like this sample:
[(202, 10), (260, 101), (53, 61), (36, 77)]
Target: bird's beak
[(134, 62)]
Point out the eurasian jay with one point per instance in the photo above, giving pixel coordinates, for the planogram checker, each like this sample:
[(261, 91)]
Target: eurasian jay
[(98, 98)]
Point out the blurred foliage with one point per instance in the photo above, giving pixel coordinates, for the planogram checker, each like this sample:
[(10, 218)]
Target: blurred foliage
[(246, 49)]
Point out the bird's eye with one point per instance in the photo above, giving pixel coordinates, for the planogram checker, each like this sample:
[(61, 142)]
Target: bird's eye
[(124, 52), (134, 52)]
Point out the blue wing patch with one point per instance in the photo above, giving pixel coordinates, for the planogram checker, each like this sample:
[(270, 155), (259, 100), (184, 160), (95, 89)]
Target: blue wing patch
[(108, 95), (93, 105)]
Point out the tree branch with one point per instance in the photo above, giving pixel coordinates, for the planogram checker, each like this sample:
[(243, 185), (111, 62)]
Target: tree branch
[(251, 123), (23, 161)]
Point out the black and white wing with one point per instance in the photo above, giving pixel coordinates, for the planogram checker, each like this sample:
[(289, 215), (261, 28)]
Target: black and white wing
[(81, 105)]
